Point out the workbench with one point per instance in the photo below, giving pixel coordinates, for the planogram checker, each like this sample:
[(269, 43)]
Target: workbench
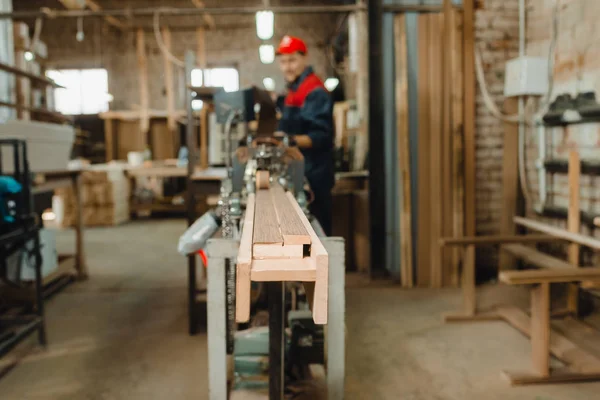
[(70, 266)]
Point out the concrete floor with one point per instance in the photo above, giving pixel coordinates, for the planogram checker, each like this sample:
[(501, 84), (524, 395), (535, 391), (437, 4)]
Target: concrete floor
[(122, 335)]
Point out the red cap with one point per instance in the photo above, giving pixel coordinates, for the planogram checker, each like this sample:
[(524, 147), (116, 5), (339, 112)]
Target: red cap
[(291, 45)]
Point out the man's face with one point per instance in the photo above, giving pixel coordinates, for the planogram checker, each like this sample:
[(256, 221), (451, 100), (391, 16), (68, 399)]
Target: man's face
[(292, 65)]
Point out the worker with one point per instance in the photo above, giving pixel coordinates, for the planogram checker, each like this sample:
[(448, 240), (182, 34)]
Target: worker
[(307, 117)]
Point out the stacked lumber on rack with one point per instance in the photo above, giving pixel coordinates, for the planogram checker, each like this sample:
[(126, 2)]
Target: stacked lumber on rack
[(279, 244), (441, 192), (105, 196)]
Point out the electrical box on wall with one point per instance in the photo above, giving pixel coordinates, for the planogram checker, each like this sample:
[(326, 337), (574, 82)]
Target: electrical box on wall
[(526, 76)]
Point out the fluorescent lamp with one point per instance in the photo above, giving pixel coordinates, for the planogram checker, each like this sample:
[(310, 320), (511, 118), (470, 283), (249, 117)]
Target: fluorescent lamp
[(264, 24), (269, 84), (267, 53), (331, 83), (29, 56)]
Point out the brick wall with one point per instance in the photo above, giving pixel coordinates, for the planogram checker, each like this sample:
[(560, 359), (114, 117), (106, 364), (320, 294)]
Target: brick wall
[(233, 43), (497, 35), (577, 62)]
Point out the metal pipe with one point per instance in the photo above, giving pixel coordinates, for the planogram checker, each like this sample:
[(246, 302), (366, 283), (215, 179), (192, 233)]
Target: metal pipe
[(187, 11), (541, 166)]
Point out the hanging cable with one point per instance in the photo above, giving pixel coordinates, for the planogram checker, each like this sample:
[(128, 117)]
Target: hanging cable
[(161, 44)]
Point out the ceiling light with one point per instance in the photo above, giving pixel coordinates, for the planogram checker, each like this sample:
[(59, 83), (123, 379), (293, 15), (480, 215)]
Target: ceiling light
[(267, 53), (269, 84), (264, 24), (331, 83), (29, 56)]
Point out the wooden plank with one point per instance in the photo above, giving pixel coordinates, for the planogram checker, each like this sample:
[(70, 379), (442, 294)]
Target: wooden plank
[(540, 329), (406, 258), (209, 20), (109, 139), (201, 47), (294, 270), (290, 225), (559, 233), (94, 6), (424, 216), (469, 121), (458, 181), (274, 251), (449, 270), (204, 138), (267, 230), (435, 154), (143, 81), (244, 264), (561, 347), (321, 260), (534, 257), (565, 375), (535, 276), (510, 180), (31, 76), (168, 65), (495, 239), (468, 282), (574, 225)]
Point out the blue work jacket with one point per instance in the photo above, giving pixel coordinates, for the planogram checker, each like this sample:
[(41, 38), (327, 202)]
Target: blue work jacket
[(308, 110)]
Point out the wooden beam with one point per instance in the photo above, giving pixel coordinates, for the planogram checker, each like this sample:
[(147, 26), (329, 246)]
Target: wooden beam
[(424, 217), (458, 177), (168, 65), (208, 18), (267, 230), (292, 229), (94, 6), (469, 122), (510, 180), (574, 226), (559, 233), (406, 257), (321, 261), (201, 47), (535, 276), (244, 264), (534, 257), (436, 151), (449, 270), (143, 81), (497, 239), (540, 329), (468, 282)]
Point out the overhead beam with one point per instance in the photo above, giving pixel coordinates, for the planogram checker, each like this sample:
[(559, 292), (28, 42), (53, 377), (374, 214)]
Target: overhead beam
[(109, 18), (93, 6), (208, 19), (150, 11)]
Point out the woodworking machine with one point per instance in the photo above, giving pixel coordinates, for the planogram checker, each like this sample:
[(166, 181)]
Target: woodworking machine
[(260, 160)]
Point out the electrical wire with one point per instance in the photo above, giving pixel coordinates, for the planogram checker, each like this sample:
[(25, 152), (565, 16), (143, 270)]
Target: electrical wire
[(161, 43)]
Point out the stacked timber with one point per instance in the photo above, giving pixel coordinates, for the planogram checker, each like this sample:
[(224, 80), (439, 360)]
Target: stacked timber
[(105, 193), (278, 244)]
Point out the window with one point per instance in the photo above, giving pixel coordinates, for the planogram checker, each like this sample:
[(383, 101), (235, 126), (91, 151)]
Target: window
[(227, 78), (86, 90)]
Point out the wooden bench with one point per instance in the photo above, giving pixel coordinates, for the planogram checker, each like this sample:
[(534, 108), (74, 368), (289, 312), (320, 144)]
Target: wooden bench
[(581, 365)]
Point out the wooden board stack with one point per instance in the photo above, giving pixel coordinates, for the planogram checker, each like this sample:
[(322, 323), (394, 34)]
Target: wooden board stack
[(441, 189), (279, 244), (105, 197)]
